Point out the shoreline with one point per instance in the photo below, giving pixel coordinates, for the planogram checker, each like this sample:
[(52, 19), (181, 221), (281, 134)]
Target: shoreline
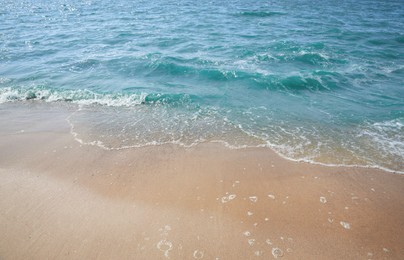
[(61, 199), (225, 144), (69, 109)]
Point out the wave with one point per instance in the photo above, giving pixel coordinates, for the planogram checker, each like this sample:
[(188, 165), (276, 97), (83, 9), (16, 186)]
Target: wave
[(311, 58), (297, 83), (400, 39), (260, 13), (88, 97), (245, 70), (173, 68), (317, 81)]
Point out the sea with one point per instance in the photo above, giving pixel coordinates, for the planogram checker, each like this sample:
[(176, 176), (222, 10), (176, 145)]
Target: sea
[(315, 81)]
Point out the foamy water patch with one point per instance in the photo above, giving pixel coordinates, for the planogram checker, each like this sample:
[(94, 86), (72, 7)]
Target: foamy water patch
[(388, 136), (157, 124)]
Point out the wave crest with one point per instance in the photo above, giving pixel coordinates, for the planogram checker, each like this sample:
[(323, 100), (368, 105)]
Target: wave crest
[(260, 13), (88, 97)]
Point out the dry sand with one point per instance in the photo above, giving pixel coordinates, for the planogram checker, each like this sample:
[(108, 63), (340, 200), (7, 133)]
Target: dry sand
[(63, 200)]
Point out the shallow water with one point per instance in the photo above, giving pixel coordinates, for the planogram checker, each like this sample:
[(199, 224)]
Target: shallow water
[(320, 81)]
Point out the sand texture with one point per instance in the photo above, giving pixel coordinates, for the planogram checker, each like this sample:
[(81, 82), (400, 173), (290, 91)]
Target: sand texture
[(60, 199)]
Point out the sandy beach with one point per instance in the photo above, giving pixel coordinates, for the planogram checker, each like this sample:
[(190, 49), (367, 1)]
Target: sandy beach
[(60, 199)]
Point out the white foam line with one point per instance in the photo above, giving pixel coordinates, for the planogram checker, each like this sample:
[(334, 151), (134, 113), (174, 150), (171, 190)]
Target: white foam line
[(101, 145), (339, 165), (226, 144)]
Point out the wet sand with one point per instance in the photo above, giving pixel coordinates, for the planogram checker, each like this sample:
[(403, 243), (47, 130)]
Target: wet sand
[(63, 200)]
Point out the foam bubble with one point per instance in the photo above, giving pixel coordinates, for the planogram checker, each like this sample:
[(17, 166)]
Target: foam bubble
[(228, 198), (346, 225), (165, 246), (251, 241), (253, 198), (277, 252), (198, 254)]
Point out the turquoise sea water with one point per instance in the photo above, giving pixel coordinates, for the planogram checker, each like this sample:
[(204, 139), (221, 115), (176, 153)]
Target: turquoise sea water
[(320, 81)]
